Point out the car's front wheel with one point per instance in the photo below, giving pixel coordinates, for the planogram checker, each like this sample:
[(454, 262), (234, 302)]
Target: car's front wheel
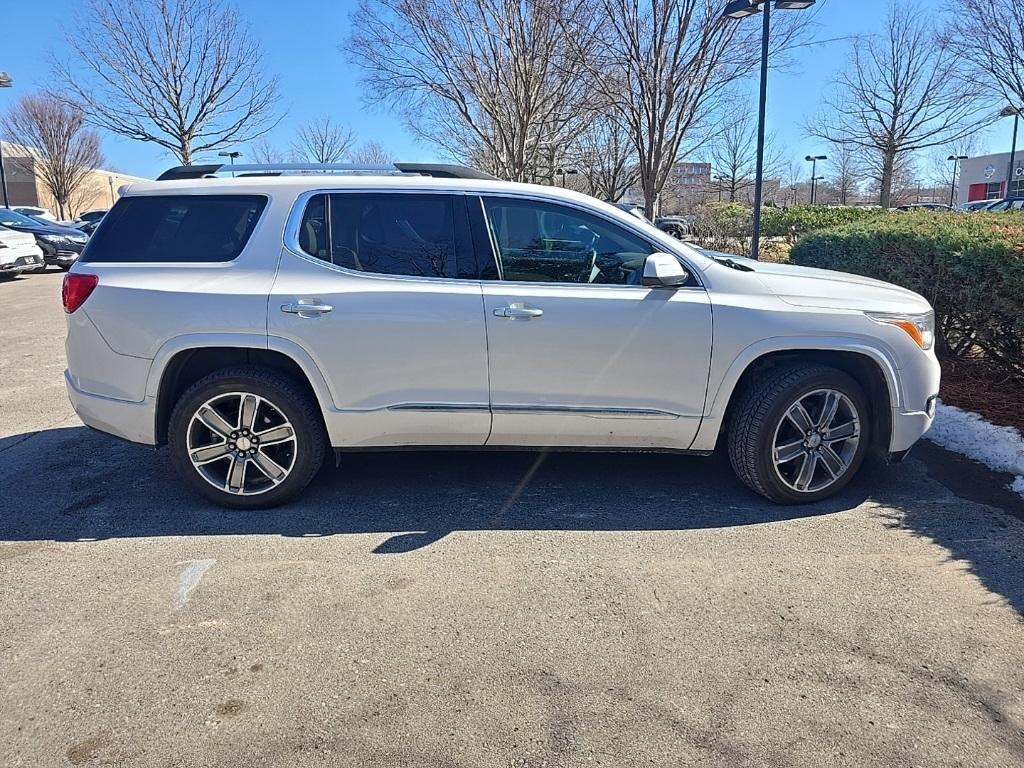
[(247, 437), (799, 432)]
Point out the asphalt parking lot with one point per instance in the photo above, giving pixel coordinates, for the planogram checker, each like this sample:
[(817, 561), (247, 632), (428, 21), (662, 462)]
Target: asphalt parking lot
[(492, 609)]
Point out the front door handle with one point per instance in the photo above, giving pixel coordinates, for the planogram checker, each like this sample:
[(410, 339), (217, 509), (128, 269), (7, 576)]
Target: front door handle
[(518, 309), (307, 308)]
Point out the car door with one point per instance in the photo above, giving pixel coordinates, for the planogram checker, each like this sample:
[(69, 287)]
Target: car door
[(580, 352), (369, 288)]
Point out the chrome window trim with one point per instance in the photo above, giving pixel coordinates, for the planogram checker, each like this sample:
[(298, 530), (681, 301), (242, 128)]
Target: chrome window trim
[(290, 239)]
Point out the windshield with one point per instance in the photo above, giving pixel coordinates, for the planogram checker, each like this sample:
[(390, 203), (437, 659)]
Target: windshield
[(11, 218)]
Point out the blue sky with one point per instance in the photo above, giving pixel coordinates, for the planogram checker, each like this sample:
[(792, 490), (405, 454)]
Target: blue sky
[(301, 38)]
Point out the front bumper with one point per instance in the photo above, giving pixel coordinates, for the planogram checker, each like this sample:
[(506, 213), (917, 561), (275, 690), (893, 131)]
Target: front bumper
[(122, 418), (919, 379), (61, 255), (21, 264)]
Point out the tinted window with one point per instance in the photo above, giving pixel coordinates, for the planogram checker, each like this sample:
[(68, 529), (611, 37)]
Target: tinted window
[(162, 228), (545, 242), (388, 234), (313, 229)]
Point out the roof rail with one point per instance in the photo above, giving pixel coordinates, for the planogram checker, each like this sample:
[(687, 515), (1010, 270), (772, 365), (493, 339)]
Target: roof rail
[(435, 170)]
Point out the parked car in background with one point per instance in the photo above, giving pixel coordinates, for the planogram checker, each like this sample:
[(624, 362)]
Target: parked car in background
[(61, 245), (1006, 204), (634, 209), (256, 323), (91, 217), (923, 207), (18, 253), (975, 205), (677, 226), (31, 210), (88, 221)]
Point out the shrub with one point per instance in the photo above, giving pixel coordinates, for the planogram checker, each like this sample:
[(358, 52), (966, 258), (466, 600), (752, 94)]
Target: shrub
[(728, 226), (969, 266), (798, 220)]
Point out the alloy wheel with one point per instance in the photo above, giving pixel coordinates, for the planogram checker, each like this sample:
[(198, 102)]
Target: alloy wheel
[(241, 443), (816, 440)]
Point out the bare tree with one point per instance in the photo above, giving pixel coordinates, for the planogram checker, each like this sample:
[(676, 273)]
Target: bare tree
[(64, 152), (847, 172), (263, 152), (943, 172), (899, 96), (183, 74), (604, 157), (664, 64), (988, 39), (734, 152), (494, 81), (903, 177), (323, 141), (372, 153)]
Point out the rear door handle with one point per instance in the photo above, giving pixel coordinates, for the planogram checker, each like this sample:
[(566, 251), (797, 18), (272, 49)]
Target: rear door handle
[(518, 309), (307, 308)]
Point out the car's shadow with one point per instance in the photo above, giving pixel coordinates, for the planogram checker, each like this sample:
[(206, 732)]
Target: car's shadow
[(74, 484), (77, 485)]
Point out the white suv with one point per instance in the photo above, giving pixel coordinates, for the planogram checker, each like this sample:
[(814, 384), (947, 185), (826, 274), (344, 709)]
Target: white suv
[(253, 323)]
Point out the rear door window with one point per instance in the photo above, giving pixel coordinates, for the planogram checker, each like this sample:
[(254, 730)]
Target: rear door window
[(416, 235), (166, 228)]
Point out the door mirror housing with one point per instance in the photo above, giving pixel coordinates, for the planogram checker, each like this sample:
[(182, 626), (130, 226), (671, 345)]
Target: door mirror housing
[(662, 270)]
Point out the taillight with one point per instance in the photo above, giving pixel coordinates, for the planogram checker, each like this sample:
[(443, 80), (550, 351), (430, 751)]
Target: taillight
[(76, 290)]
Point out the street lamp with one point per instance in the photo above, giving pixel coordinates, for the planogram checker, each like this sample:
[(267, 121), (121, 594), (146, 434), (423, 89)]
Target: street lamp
[(740, 9), (564, 171), (1016, 112), (232, 155), (955, 159), (6, 81), (813, 160), (719, 180)]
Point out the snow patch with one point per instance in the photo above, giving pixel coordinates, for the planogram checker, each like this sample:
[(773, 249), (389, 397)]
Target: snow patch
[(998, 448)]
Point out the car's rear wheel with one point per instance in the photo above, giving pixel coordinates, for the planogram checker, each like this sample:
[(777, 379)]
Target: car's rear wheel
[(799, 432), (247, 437)]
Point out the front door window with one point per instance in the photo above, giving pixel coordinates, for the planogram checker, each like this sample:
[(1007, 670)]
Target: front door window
[(540, 242)]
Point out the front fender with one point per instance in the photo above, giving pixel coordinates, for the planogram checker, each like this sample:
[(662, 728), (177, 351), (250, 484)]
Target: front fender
[(720, 391)]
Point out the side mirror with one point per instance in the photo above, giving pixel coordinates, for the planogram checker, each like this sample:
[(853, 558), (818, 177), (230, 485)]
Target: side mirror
[(661, 270)]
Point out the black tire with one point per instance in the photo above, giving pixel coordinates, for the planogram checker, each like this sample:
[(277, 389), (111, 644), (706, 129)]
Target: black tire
[(288, 397), (760, 411)]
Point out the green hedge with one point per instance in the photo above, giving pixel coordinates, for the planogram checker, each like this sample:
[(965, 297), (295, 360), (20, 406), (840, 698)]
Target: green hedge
[(969, 266), (798, 220), (728, 226)]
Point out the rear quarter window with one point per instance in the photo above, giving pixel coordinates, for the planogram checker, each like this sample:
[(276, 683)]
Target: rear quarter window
[(165, 228)]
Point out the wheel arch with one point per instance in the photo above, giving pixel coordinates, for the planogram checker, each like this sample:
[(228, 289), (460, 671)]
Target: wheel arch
[(176, 369), (868, 366)]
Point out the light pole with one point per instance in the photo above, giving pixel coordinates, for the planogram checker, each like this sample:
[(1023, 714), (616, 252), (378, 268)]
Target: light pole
[(1006, 112), (813, 160), (740, 9), (719, 180), (564, 171), (232, 155), (955, 159), (5, 82)]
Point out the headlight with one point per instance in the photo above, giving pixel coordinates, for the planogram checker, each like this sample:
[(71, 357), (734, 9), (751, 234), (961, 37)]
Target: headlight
[(921, 328)]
